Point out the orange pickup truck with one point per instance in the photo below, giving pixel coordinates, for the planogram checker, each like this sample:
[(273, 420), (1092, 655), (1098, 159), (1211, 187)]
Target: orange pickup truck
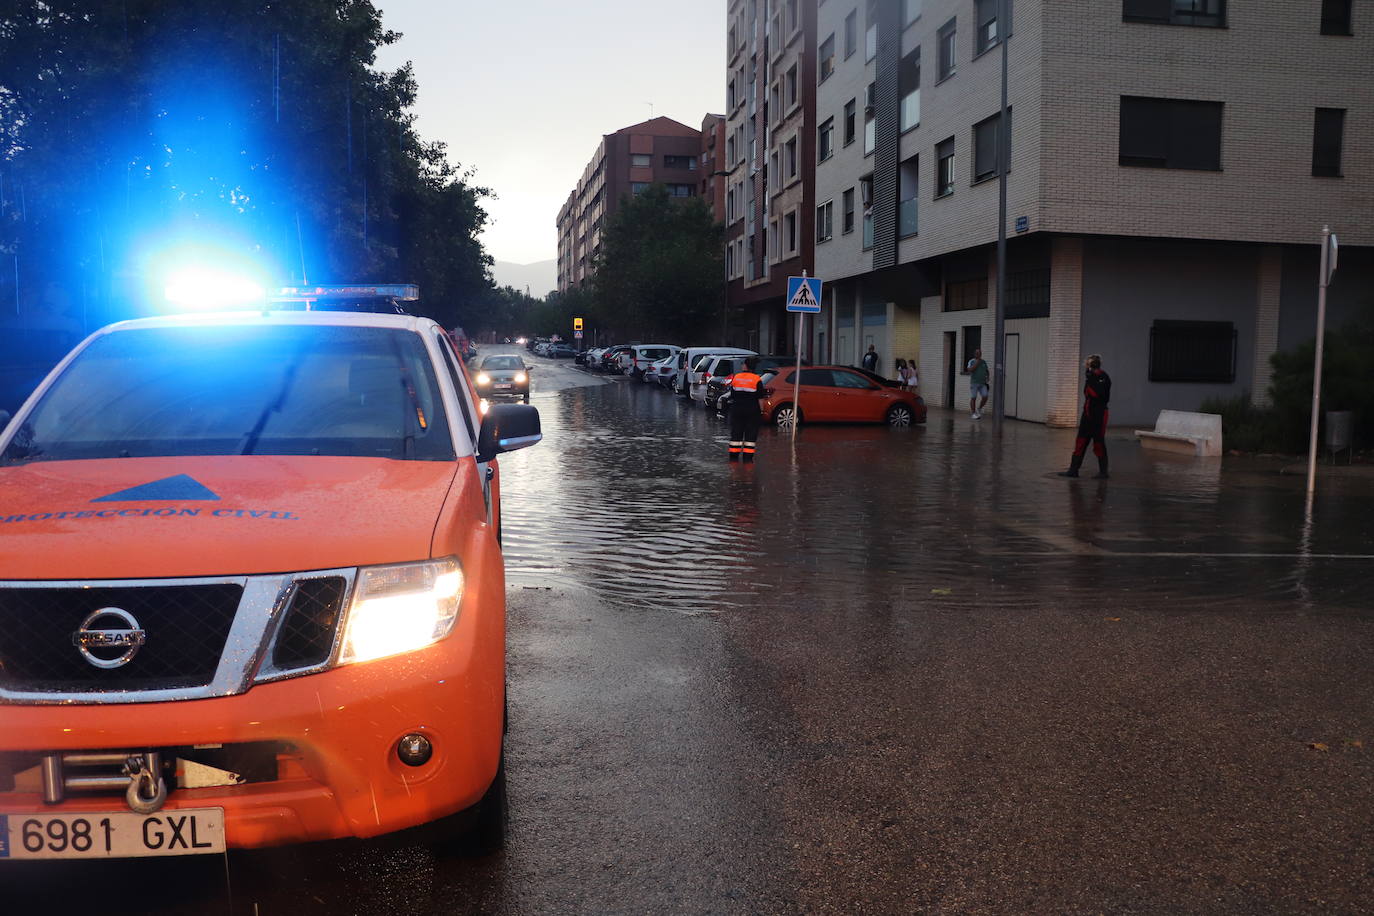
[(251, 589)]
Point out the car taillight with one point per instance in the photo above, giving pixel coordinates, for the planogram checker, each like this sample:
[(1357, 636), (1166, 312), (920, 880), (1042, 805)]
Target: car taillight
[(705, 376)]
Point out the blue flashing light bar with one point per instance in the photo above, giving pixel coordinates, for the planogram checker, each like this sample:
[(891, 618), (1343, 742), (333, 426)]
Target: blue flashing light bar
[(404, 292)]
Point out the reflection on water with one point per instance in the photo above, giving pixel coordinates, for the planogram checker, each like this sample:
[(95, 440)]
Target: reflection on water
[(631, 496)]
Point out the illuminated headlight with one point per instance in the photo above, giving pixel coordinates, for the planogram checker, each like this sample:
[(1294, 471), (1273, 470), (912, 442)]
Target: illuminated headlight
[(402, 608), (483, 378), (521, 378)]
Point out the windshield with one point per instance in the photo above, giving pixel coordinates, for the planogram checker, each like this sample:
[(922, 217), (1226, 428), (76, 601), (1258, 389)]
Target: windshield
[(215, 390), (502, 362)]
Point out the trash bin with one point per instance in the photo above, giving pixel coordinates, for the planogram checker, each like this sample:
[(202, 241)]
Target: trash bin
[(1338, 430)]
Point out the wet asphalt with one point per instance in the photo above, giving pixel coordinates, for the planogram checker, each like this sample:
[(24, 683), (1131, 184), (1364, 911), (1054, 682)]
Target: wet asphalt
[(884, 671)]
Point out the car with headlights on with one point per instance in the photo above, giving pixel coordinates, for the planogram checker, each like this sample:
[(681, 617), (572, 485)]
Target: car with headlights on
[(503, 376), (252, 589)]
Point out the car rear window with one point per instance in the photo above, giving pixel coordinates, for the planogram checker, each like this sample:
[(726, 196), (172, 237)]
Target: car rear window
[(247, 390), (655, 353)]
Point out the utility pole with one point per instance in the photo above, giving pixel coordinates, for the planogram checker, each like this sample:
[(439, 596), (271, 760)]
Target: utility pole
[(999, 322)]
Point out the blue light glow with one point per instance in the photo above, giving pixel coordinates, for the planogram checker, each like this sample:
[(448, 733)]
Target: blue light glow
[(212, 289)]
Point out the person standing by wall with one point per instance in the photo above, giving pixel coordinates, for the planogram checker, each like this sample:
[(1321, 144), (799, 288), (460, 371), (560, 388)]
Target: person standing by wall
[(977, 385), (870, 360), (746, 389), (1097, 392), (913, 378)]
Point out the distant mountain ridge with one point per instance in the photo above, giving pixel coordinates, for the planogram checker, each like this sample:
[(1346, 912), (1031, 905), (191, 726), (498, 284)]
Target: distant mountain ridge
[(541, 277)]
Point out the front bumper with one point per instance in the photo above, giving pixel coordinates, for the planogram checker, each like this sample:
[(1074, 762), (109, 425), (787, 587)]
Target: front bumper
[(341, 776)]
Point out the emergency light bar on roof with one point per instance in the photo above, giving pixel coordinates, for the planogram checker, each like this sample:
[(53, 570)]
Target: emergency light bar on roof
[(404, 292)]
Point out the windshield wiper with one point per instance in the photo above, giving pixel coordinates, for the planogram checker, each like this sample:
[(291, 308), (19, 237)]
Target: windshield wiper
[(250, 441)]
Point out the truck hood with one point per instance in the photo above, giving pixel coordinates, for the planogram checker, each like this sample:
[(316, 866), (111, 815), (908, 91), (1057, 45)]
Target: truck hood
[(211, 516)]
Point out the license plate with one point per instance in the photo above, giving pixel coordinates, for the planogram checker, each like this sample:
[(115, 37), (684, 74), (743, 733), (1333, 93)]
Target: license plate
[(502, 386), (114, 835)]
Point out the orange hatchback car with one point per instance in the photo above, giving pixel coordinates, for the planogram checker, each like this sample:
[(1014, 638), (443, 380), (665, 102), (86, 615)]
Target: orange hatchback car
[(251, 589), (838, 394)]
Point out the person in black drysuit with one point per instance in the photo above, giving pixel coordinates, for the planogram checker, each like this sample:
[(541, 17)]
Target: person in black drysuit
[(746, 389), (1097, 392)]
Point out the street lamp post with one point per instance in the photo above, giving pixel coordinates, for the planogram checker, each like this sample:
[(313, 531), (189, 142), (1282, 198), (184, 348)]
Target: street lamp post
[(999, 346)]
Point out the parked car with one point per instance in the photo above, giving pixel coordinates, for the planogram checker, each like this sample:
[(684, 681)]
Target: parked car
[(503, 376), (609, 361), (661, 371), (633, 360), (718, 389), (689, 362), (716, 364), (838, 394), (560, 351)]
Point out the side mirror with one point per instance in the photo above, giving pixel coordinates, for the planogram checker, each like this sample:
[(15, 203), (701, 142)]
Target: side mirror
[(506, 428)]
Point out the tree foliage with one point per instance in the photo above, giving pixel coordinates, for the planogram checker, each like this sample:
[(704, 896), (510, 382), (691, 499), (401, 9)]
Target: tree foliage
[(661, 273), (128, 127)]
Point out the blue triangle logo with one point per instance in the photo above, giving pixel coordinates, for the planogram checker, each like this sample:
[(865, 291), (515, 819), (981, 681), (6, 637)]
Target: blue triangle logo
[(180, 487)]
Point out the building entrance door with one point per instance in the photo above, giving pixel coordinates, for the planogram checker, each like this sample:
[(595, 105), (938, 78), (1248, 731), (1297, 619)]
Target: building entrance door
[(1013, 382)]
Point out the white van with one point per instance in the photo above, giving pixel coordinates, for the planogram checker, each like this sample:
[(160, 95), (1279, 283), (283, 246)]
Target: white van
[(635, 360), (689, 365)]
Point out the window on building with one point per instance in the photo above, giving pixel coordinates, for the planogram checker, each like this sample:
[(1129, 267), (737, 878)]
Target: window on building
[(973, 342), (1327, 136), (944, 168), (681, 190), (791, 84), (825, 216), (827, 58), (870, 121), (789, 229), (730, 97), (825, 140), (946, 41), (850, 113), (789, 158), (749, 261), (985, 146), (851, 33), (966, 295), (1170, 133), (985, 20), (1193, 351), (847, 211), (908, 181), (793, 21), (641, 160), (1028, 294), (729, 260), (911, 11), (639, 187), (866, 196), (909, 88), (775, 103), (730, 149), (680, 162), (774, 173), (1176, 12), (730, 205), (772, 245), (871, 41), (1336, 17)]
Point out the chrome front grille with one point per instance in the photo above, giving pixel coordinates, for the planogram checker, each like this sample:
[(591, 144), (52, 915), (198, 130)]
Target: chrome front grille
[(196, 638)]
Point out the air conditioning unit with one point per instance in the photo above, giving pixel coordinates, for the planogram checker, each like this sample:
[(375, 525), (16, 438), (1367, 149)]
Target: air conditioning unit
[(870, 96)]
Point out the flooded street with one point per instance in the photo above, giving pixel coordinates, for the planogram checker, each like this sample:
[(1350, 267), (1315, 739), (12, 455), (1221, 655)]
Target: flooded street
[(884, 671)]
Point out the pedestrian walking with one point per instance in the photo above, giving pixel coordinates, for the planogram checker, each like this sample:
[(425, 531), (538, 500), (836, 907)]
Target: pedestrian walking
[(977, 385), (913, 379), (900, 368), (870, 360), (1097, 392), (746, 390)]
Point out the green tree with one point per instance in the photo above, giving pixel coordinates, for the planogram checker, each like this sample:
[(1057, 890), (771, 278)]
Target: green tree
[(265, 128), (1347, 382), (661, 273)]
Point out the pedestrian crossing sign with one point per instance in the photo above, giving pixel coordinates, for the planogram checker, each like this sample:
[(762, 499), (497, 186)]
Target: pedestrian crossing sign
[(804, 294)]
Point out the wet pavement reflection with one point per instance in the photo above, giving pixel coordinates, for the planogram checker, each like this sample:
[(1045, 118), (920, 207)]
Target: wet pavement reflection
[(885, 671)]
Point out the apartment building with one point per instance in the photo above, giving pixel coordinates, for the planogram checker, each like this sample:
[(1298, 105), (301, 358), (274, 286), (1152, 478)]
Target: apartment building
[(659, 150), (770, 151), (1172, 163), (710, 163)]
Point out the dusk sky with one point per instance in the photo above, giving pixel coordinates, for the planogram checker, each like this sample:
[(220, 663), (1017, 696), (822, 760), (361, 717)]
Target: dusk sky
[(523, 92)]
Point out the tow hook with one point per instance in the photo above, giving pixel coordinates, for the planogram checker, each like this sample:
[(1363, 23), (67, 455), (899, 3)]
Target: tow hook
[(147, 790)]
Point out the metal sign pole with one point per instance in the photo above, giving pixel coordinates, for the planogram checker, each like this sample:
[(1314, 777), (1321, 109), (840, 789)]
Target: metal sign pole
[(1327, 268), (796, 378), (999, 321)]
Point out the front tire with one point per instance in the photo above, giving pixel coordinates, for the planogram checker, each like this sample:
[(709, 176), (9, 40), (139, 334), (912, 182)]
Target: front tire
[(786, 416), (899, 415)]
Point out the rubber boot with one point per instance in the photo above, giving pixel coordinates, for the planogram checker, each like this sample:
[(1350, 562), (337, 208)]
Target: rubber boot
[(1101, 468), (1074, 464)]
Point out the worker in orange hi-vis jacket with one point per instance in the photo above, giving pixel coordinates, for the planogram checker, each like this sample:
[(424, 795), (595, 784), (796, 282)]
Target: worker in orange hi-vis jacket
[(746, 388)]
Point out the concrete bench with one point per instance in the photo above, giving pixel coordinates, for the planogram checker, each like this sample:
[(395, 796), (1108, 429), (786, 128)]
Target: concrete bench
[(1184, 433)]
